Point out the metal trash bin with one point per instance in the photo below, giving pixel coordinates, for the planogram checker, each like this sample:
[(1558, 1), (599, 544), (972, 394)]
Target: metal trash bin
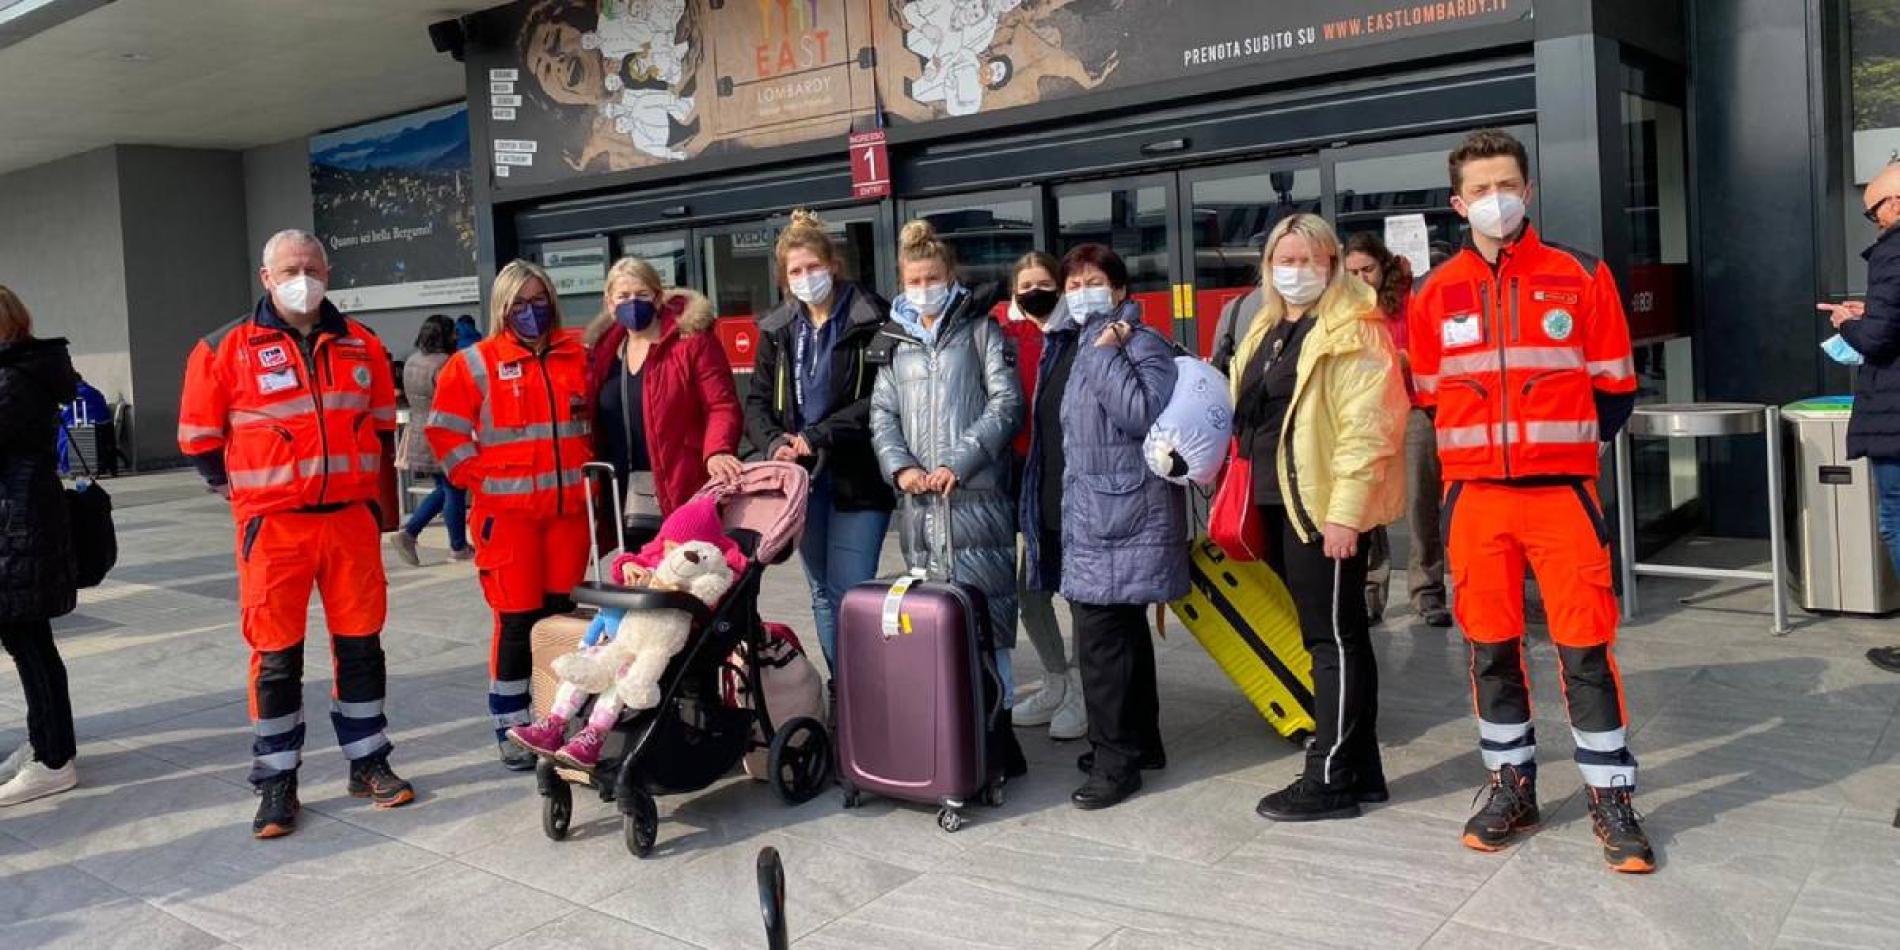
[(1838, 561)]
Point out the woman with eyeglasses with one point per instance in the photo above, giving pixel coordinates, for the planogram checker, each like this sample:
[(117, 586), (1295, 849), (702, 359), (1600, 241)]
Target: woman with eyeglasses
[(511, 425)]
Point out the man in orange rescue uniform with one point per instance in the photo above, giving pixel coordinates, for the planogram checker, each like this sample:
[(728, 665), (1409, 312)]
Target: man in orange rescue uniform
[(286, 412), (1523, 349)]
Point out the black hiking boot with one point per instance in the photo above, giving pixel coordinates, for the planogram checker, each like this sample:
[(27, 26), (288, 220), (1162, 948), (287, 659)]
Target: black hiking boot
[(1617, 825), (1510, 809), (371, 778), (277, 807)]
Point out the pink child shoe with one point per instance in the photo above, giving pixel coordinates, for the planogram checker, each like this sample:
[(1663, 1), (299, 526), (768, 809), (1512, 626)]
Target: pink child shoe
[(582, 751), (542, 738)]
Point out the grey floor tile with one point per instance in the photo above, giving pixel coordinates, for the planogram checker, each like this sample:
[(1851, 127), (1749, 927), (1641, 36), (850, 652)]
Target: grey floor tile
[(1173, 816), (122, 924), (1852, 899), (937, 911), (711, 900), (1457, 936), (447, 905), (1127, 939), (1396, 859), (1560, 891), (1163, 895), (590, 930)]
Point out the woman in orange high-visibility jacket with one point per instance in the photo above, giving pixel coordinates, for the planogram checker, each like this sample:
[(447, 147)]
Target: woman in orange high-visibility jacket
[(510, 425)]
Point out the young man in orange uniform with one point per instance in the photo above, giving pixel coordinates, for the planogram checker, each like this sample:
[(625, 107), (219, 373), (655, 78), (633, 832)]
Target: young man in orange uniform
[(287, 412), (1521, 350), (511, 424)]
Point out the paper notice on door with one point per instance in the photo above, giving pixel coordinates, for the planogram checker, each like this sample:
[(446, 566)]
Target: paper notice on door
[(1406, 236)]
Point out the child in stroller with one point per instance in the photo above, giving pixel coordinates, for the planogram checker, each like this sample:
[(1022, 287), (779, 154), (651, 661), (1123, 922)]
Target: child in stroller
[(624, 653), (692, 736)]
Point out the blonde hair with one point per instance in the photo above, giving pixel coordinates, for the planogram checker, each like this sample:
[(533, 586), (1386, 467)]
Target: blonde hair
[(1324, 242), (626, 268), (15, 322), (508, 284), (805, 231), (919, 243)]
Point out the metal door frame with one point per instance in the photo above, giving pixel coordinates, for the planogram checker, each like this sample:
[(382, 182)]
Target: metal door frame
[(1169, 183)]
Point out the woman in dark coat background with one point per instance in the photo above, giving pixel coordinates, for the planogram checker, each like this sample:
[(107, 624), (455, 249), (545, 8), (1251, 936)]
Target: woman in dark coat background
[(36, 553)]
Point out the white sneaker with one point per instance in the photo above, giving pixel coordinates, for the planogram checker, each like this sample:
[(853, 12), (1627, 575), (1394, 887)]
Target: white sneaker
[(1071, 720), (11, 766), (1040, 709), (37, 781)]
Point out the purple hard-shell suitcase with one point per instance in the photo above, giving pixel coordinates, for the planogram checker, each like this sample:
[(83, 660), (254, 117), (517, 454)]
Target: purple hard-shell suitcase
[(913, 689)]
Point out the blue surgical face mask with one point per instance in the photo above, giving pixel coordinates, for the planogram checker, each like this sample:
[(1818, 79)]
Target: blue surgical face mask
[(1840, 351), (635, 313), (531, 321), (1090, 302)]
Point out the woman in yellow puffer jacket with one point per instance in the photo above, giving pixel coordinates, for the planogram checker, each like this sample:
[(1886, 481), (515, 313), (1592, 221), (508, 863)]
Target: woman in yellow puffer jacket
[(1319, 409)]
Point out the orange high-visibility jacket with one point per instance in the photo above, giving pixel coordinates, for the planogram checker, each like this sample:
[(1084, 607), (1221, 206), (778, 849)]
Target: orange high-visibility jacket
[(512, 426), (1513, 357), (296, 427)]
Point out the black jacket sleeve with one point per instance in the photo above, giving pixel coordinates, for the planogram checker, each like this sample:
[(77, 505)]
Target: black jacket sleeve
[(1876, 336)]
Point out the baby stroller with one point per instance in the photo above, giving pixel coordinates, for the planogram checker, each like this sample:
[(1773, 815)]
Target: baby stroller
[(693, 737)]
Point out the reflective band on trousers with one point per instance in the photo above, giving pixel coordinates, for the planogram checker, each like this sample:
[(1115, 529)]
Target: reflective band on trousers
[(524, 486), (1577, 432), (364, 747), (1517, 357)]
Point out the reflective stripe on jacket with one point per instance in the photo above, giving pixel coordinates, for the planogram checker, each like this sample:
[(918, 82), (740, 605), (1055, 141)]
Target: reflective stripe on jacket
[(296, 427), (1514, 356), (513, 426)]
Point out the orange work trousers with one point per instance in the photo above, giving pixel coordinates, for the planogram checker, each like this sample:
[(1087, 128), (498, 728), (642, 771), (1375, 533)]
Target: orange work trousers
[(1494, 531), (282, 556), (528, 567)]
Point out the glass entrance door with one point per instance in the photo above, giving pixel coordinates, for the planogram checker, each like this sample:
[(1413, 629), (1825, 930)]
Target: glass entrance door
[(1228, 212)]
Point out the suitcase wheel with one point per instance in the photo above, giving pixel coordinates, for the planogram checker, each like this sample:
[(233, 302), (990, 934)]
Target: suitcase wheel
[(557, 811), (852, 798), (949, 819), (993, 795), (640, 825), (800, 760)]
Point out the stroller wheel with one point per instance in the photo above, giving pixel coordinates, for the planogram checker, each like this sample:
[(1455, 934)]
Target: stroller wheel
[(641, 824), (800, 762), (557, 811)]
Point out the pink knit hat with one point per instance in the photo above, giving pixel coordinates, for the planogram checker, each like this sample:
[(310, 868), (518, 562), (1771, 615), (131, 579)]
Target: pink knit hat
[(697, 520)]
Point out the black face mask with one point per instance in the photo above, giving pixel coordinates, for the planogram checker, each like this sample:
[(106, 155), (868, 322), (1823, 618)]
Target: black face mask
[(1038, 303)]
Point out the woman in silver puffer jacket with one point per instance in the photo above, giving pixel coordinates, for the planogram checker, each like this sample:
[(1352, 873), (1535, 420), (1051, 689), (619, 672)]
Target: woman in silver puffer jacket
[(945, 407)]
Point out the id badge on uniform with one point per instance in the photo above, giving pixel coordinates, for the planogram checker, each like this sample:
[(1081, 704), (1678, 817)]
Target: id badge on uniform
[(1464, 330), (277, 381)]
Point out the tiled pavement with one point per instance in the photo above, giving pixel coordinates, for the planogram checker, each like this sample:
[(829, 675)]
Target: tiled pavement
[(1771, 775)]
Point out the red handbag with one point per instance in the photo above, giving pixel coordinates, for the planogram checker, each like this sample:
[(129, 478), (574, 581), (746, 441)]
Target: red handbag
[(1234, 523)]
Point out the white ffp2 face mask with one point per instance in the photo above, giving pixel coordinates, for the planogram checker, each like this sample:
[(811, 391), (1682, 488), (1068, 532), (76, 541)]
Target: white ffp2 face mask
[(813, 286), (1497, 215), (928, 299), (300, 295), (1299, 286)]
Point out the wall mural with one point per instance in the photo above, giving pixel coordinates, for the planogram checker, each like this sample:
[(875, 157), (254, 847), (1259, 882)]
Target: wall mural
[(595, 86)]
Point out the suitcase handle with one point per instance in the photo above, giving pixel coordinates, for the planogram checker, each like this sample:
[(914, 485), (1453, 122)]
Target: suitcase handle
[(949, 535), (591, 473)]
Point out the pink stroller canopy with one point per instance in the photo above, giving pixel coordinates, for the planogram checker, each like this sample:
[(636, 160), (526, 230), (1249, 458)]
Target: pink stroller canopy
[(769, 500)]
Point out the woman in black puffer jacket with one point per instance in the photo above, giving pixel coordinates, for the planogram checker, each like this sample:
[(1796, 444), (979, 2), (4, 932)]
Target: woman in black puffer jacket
[(36, 552)]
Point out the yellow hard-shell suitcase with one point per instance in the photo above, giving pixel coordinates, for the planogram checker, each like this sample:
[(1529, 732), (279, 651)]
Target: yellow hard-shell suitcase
[(1243, 616)]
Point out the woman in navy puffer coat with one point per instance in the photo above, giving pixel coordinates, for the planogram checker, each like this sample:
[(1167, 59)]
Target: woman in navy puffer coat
[(1124, 529)]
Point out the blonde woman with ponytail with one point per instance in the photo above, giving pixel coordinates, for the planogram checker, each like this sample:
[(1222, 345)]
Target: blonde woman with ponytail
[(946, 407), (810, 402), (1320, 412)]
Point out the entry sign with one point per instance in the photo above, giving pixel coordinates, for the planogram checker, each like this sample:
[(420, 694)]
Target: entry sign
[(870, 165)]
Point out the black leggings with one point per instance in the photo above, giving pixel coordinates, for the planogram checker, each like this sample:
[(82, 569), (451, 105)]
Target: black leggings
[(49, 710)]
